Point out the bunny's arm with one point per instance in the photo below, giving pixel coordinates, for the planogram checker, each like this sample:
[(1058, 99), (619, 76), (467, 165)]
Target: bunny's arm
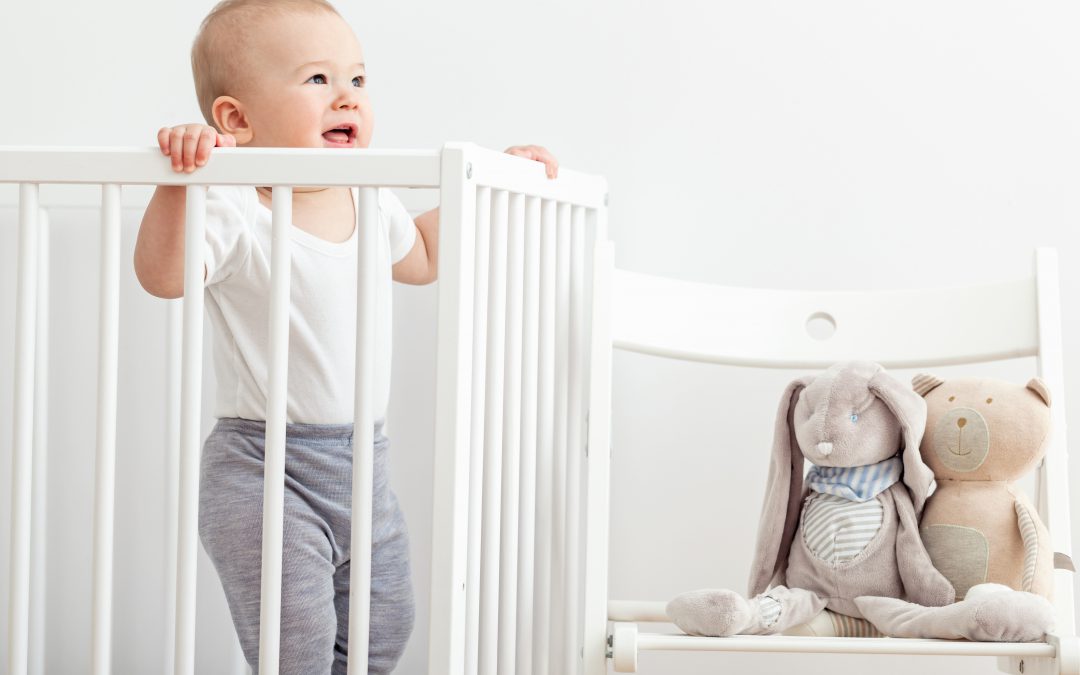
[(923, 583)]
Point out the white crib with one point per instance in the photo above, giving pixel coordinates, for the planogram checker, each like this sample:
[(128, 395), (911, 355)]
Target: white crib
[(495, 210)]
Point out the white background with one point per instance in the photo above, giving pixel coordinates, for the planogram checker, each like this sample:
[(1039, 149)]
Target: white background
[(785, 144)]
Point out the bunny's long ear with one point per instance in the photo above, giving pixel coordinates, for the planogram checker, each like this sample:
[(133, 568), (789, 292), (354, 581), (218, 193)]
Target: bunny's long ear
[(783, 496), (909, 408)]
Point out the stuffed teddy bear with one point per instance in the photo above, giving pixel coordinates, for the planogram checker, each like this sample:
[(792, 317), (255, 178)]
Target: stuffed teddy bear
[(851, 528), (980, 530)]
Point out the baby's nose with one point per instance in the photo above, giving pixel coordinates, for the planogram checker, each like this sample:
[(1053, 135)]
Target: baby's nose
[(824, 448)]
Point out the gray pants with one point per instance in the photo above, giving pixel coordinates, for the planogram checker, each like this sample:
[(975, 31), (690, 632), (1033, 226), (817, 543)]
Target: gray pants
[(315, 567)]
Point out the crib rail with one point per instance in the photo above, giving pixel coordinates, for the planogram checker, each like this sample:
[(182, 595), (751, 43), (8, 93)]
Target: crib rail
[(514, 285)]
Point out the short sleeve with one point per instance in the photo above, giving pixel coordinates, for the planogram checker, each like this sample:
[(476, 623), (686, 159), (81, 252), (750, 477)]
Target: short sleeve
[(228, 231), (400, 228)]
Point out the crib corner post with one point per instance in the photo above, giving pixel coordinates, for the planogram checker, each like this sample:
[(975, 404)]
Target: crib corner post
[(457, 220)]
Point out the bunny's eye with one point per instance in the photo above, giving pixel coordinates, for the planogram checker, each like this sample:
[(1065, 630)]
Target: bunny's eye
[(854, 417)]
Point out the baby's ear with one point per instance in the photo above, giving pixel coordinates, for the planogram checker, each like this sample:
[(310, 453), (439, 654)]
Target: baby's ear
[(1037, 385), (924, 383), (230, 118)]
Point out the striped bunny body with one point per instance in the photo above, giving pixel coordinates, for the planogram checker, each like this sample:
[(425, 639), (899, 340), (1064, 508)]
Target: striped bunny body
[(844, 549)]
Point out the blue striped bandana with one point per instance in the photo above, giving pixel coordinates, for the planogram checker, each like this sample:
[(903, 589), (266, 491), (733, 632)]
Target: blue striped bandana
[(857, 483)]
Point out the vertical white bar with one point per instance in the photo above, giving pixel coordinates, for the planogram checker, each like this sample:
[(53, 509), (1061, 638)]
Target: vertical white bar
[(38, 518), (508, 565), (105, 463), (367, 215), (274, 466), (594, 627), (1054, 492), (493, 439), (190, 434), (544, 442), (559, 491), (575, 442), (174, 323), (23, 422), (527, 513), (476, 452), (457, 219)]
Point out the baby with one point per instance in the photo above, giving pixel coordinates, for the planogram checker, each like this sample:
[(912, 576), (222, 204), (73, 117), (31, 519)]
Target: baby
[(290, 73)]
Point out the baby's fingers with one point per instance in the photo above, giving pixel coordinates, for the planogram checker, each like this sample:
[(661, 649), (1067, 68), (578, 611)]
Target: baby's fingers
[(226, 141), (163, 140), (176, 147), (539, 154), (205, 142)]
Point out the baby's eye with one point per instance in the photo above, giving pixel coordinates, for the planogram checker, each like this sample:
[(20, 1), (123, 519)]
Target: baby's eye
[(358, 81), (317, 79), (854, 417)]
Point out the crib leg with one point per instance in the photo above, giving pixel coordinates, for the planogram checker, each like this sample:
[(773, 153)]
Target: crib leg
[(624, 647), (1067, 661)]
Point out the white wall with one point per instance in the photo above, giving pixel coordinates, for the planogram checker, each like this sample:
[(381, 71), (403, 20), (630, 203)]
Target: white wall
[(833, 144)]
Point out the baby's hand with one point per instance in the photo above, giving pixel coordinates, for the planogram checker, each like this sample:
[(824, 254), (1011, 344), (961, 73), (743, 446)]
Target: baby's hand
[(189, 144), (535, 152)]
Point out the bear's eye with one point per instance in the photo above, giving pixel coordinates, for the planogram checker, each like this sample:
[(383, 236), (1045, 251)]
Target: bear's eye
[(989, 400), (854, 417), (951, 399)]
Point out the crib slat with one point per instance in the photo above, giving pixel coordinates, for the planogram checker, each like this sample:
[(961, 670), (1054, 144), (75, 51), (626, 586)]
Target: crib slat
[(190, 434), (508, 572), (172, 474), (23, 423), (105, 460), (544, 442), (274, 465), (598, 450), (476, 451), (574, 443), (493, 437), (367, 213), (558, 511), (40, 469), (527, 513)]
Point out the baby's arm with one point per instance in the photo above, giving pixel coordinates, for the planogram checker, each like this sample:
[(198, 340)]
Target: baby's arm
[(421, 264), (159, 249)]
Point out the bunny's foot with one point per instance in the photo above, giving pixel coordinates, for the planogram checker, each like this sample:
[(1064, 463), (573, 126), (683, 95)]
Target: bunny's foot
[(989, 613), (714, 613), (720, 613)]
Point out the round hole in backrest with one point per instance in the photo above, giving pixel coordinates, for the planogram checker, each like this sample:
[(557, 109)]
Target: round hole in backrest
[(821, 325)]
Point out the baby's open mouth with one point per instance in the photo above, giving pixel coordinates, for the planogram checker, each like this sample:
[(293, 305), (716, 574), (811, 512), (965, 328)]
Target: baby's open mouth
[(341, 135)]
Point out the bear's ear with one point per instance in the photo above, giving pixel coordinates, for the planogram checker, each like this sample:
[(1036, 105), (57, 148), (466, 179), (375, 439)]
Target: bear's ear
[(924, 383), (1037, 385)]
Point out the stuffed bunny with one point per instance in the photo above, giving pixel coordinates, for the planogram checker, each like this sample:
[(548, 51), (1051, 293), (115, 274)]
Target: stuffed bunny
[(850, 528)]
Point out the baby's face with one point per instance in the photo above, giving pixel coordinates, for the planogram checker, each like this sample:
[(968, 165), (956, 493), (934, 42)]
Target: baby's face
[(307, 88)]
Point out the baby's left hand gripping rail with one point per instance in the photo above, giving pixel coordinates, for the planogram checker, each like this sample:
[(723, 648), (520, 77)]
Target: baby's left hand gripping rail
[(543, 223)]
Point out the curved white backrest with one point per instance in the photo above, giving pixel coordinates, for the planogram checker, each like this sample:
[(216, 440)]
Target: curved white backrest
[(769, 328)]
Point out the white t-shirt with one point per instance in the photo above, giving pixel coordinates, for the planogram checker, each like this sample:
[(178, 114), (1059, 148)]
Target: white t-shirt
[(322, 317)]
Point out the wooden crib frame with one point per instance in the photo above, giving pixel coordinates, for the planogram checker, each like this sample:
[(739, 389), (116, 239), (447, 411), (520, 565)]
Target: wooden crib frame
[(480, 191)]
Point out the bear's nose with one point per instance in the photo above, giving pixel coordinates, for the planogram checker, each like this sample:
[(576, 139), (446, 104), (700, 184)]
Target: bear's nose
[(961, 422), (824, 448)]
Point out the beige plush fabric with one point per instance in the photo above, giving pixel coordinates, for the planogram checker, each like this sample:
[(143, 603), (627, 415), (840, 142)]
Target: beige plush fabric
[(981, 436)]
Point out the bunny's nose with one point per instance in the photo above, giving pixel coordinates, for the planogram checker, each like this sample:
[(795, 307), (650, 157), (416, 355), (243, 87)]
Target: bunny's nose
[(824, 448), (961, 422)]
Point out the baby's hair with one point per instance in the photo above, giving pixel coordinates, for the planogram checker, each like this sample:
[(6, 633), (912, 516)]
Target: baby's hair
[(216, 55)]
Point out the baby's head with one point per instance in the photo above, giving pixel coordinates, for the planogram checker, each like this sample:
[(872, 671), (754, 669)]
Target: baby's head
[(284, 73)]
